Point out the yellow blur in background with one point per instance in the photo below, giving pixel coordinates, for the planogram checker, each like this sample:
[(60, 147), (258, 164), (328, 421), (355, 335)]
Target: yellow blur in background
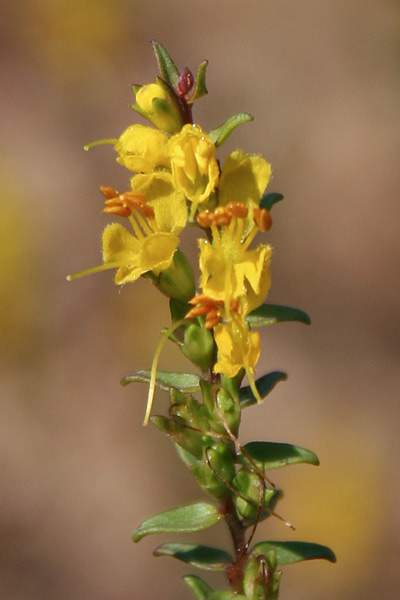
[(79, 471)]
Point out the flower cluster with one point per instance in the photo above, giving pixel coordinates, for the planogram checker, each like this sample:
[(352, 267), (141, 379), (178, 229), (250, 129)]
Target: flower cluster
[(177, 182)]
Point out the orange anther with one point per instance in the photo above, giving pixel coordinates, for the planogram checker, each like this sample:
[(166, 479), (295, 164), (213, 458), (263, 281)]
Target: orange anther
[(237, 209), (262, 218), (108, 192)]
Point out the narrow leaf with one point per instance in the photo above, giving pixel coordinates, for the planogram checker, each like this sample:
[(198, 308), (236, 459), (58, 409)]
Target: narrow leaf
[(200, 88), (292, 552), (269, 200), (199, 587), (192, 517), (273, 455), (225, 595), (264, 385), (221, 134), (166, 65), (268, 314), (203, 557), (187, 383)]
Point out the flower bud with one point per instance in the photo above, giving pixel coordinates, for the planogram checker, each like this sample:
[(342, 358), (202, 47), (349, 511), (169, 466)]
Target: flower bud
[(198, 346), (158, 103), (177, 282), (218, 467)]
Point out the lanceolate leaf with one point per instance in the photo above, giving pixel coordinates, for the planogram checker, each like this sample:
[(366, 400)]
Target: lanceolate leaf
[(184, 519), (268, 314), (199, 587), (221, 134), (273, 455), (292, 552), (200, 88), (264, 385), (167, 66), (203, 557), (187, 383)]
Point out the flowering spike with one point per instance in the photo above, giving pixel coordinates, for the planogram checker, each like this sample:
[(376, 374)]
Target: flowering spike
[(176, 181)]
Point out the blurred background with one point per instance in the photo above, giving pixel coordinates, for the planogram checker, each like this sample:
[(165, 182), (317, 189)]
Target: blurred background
[(79, 471)]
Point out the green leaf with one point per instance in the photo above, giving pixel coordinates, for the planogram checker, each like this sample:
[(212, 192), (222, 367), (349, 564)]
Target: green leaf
[(273, 455), (269, 200), (269, 314), (225, 595), (199, 587), (221, 134), (199, 88), (203, 557), (187, 383), (192, 517), (292, 552), (166, 65), (264, 385)]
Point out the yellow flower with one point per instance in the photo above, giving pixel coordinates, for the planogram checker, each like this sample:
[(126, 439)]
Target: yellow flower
[(238, 348), (244, 179), (194, 165), (142, 149), (229, 271), (156, 226)]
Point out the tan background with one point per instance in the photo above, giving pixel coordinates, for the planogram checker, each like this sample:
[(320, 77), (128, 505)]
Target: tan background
[(79, 471)]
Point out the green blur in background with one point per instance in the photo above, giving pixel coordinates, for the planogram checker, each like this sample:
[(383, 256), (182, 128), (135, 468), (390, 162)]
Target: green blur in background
[(79, 471)]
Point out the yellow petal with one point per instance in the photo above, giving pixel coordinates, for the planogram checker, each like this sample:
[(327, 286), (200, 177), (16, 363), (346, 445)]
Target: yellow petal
[(168, 203), (142, 149), (119, 246), (147, 93), (194, 164), (244, 178), (238, 348)]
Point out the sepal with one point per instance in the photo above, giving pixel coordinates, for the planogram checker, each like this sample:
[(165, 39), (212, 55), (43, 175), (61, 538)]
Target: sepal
[(198, 346), (176, 282)]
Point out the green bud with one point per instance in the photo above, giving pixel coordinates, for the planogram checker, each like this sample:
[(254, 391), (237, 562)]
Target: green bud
[(176, 282), (230, 408), (217, 468), (198, 346), (248, 484), (255, 579)]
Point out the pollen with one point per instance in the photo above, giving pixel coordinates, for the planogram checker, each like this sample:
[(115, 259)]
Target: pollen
[(222, 215), (213, 309), (123, 204)]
